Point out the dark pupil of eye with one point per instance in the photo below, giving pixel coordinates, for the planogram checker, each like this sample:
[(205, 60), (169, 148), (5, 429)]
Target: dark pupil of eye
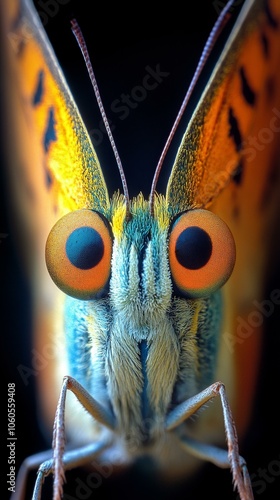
[(84, 248), (193, 248)]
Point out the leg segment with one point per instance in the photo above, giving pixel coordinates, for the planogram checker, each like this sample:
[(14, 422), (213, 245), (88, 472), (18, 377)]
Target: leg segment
[(237, 464)]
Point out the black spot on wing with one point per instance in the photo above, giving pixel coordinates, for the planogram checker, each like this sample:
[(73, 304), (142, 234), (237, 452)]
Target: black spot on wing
[(238, 174), (234, 130), (48, 177), (39, 90), (247, 91), (49, 135), (265, 45), (273, 23)]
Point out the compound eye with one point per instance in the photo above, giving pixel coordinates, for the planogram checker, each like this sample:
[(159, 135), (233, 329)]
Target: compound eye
[(201, 253), (78, 254)]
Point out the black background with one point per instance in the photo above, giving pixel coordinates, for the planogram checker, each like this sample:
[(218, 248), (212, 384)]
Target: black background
[(122, 42)]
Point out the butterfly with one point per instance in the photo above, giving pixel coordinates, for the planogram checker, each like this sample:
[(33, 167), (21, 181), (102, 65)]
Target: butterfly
[(156, 301)]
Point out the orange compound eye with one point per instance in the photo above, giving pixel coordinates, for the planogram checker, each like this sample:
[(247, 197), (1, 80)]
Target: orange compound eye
[(201, 253), (78, 254)]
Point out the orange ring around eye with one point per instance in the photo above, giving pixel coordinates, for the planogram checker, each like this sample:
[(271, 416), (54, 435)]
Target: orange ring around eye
[(78, 254), (201, 253)]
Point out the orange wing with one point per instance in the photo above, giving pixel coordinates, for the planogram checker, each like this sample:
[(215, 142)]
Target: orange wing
[(234, 105)]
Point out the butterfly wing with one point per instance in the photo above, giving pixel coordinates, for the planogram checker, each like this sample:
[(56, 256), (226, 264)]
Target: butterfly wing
[(52, 169), (235, 102), (228, 161), (69, 170)]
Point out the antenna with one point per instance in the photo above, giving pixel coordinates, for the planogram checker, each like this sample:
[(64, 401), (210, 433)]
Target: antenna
[(214, 34), (82, 44)]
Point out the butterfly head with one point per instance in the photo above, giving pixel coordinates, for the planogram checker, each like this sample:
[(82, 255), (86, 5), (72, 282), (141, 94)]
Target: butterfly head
[(89, 255)]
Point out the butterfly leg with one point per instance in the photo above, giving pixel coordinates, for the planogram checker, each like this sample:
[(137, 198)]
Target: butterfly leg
[(29, 464), (238, 466), (215, 455), (93, 407), (71, 459), (44, 462), (61, 460)]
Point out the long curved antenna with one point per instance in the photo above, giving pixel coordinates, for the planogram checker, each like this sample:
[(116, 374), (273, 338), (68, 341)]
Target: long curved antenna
[(82, 44), (214, 34)]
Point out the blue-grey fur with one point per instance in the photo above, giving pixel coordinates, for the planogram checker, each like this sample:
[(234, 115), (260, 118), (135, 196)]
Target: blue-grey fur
[(144, 351)]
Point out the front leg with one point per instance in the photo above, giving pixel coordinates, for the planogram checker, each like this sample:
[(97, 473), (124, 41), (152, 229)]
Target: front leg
[(233, 460), (92, 406), (73, 458)]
